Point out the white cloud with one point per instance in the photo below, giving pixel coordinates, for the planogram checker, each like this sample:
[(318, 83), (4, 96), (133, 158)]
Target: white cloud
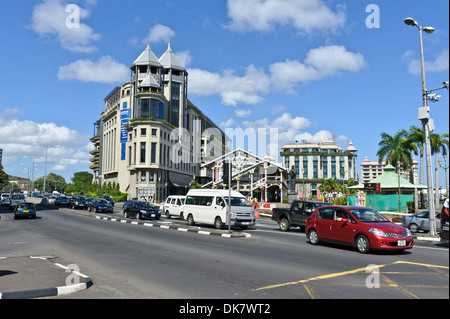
[(243, 113), (249, 88), (105, 70), (232, 88), (68, 152), (159, 33), (440, 64), (265, 15), (50, 18), (320, 63)]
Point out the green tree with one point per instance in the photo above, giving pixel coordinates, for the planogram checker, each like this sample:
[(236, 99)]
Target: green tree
[(3, 178), (439, 144), (417, 137), (53, 181), (396, 149)]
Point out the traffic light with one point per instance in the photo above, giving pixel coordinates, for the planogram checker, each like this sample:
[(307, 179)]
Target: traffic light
[(226, 172)]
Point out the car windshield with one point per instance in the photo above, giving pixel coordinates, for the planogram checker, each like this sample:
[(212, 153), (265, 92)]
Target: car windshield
[(18, 197), (78, 197), (238, 201), (102, 201), (26, 206), (146, 205), (366, 215)]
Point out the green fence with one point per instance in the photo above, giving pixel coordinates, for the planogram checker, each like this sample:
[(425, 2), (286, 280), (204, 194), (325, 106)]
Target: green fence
[(383, 202)]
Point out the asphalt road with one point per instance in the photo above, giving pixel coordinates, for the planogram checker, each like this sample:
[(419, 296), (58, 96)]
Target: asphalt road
[(133, 261)]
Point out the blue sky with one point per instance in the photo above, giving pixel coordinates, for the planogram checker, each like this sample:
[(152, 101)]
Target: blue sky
[(312, 68)]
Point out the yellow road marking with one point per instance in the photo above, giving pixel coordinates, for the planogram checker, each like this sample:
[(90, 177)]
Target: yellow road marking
[(344, 273)]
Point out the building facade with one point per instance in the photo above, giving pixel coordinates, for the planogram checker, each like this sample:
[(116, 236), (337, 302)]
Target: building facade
[(150, 138), (317, 162), (371, 170)]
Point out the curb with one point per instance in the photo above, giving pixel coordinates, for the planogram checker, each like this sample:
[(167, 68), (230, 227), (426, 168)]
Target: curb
[(49, 292), (181, 229)]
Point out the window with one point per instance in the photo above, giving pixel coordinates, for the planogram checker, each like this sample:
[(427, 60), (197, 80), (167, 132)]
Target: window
[(154, 132), (199, 200), (143, 151), (326, 213), (153, 155), (143, 132)]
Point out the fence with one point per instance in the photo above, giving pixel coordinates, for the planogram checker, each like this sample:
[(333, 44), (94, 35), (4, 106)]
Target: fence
[(383, 202)]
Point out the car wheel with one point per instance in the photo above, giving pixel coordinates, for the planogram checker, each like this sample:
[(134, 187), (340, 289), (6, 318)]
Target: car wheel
[(181, 216), (362, 244), (190, 220), (218, 223), (125, 214), (167, 214), (284, 224), (313, 237), (414, 228), (138, 216)]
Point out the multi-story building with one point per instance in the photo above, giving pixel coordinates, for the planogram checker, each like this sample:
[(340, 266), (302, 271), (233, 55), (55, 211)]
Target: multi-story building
[(150, 137), (317, 162), (371, 170)]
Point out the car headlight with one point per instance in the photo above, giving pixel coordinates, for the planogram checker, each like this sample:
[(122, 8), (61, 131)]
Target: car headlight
[(378, 232), (143, 211), (408, 232)]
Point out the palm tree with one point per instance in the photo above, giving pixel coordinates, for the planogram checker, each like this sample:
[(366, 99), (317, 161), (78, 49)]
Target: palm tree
[(438, 143), (417, 136), (396, 149)]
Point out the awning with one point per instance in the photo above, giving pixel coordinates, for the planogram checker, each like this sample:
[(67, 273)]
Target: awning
[(179, 180)]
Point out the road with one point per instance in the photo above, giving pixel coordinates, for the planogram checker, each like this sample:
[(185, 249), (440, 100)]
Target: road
[(133, 261)]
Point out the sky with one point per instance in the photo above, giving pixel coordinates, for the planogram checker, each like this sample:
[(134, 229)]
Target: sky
[(343, 69)]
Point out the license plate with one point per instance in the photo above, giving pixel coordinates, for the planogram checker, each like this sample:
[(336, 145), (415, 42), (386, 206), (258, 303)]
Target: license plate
[(153, 215), (401, 243), (25, 211)]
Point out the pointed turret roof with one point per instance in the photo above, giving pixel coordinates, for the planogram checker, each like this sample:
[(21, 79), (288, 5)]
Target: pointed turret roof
[(147, 58), (149, 81), (350, 147), (170, 61)]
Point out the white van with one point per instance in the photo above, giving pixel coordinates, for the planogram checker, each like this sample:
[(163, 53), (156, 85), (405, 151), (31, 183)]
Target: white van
[(173, 206), (210, 206)]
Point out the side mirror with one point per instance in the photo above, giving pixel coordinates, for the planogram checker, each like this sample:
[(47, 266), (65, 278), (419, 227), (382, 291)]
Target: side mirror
[(345, 220)]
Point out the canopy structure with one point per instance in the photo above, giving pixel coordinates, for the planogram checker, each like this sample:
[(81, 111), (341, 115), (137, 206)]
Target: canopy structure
[(250, 175), (389, 182)]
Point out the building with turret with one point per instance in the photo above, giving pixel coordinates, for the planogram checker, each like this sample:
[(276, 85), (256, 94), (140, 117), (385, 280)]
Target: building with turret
[(150, 139)]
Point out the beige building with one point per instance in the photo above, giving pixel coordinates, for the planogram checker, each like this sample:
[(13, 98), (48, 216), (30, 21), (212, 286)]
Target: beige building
[(150, 138), (372, 170), (316, 162)]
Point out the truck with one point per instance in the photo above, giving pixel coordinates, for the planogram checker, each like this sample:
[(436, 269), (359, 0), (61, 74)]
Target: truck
[(296, 215)]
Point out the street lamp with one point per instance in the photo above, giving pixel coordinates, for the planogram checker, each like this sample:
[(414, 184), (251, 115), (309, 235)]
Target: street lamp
[(424, 116), (445, 167)]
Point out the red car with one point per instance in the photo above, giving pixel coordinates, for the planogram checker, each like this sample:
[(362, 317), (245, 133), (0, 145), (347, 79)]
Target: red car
[(361, 227)]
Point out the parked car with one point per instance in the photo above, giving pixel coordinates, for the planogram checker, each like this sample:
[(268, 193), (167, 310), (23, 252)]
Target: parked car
[(420, 221), (108, 198), (174, 206), (62, 201), (16, 199), (141, 210), (78, 202), (361, 227), (100, 205), (5, 199), (25, 210), (296, 215)]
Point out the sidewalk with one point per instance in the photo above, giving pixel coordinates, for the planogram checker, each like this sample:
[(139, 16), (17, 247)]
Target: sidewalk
[(37, 277)]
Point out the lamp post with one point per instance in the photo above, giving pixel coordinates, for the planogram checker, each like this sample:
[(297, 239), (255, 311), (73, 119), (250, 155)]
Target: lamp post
[(445, 167), (428, 126)]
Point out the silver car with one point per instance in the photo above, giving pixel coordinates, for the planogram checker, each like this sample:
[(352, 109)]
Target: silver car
[(420, 221)]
